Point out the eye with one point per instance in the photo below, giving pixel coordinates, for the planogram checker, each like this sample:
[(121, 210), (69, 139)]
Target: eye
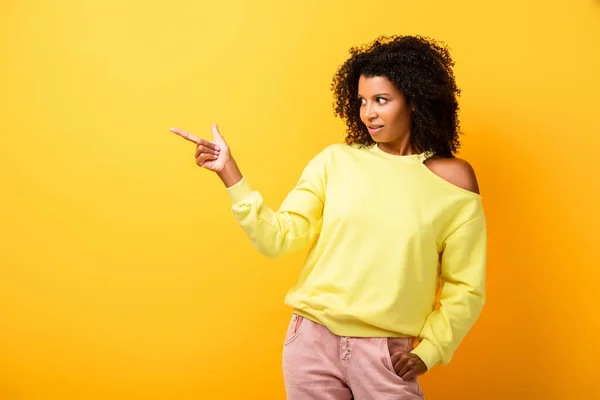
[(379, 100)]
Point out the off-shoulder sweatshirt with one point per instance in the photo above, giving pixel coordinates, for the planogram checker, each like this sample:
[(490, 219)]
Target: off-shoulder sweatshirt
[(386, 237)]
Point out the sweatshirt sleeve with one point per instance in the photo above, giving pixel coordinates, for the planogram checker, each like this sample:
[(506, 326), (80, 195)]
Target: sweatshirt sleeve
[(462, 294), (295, 224)]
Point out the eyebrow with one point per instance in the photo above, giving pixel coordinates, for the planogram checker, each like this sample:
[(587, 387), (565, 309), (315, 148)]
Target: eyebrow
[(378, 94)]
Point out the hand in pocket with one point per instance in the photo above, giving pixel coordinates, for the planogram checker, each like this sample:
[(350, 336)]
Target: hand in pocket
[(408, 365)]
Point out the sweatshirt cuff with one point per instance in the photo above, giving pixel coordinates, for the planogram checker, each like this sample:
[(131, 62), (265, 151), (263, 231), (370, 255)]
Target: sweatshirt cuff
[(427, 352), (240, 191)]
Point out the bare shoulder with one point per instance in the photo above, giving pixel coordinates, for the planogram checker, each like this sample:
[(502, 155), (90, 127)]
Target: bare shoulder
[(456, 171)]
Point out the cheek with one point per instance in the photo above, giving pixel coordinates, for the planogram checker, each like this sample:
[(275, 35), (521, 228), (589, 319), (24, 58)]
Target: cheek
[(401, 115), (388, 115), (361, 115)]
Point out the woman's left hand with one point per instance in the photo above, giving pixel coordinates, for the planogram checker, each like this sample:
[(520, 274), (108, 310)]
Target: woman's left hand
[(408, 365)]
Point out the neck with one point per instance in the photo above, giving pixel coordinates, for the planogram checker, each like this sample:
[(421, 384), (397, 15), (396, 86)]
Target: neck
[(400, 147)]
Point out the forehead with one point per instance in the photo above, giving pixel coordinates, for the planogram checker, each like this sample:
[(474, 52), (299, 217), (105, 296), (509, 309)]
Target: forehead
[(375, 85)]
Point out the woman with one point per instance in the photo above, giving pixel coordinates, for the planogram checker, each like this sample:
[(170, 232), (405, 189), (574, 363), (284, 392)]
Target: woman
[(394, 222)]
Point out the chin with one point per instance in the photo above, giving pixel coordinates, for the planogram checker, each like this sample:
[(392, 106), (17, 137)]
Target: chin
[(378, 139)]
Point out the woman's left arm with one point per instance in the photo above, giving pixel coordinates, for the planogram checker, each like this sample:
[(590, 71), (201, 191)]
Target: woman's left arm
[(463, 270)]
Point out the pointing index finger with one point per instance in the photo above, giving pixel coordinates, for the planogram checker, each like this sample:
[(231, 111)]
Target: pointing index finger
[(186, 135), (195, 139)]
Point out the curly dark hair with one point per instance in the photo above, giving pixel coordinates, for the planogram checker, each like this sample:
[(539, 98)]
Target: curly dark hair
[(421, 68)]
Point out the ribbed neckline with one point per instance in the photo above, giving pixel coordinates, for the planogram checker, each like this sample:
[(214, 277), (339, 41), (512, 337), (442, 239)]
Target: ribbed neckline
[(411, 158)]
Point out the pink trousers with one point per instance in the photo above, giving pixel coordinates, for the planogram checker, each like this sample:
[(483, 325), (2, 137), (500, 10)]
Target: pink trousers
[(319, 365)]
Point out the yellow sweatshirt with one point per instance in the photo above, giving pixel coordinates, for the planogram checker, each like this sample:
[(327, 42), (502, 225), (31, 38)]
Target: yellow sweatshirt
[(384, 233)]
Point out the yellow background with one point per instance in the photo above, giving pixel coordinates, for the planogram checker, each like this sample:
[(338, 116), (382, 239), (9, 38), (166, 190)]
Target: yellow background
[(123, 274)]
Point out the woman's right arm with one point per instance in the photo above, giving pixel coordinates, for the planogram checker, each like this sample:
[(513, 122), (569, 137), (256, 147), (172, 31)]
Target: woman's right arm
[(273, 233)]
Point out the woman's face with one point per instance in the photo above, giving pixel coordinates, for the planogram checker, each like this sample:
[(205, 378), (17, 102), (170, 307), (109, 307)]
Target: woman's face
[(384, 110)]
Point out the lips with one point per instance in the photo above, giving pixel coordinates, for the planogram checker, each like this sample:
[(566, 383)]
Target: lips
[(374, 128)]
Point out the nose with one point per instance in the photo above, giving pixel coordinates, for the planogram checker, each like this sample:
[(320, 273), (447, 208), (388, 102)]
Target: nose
[(369, 111)]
